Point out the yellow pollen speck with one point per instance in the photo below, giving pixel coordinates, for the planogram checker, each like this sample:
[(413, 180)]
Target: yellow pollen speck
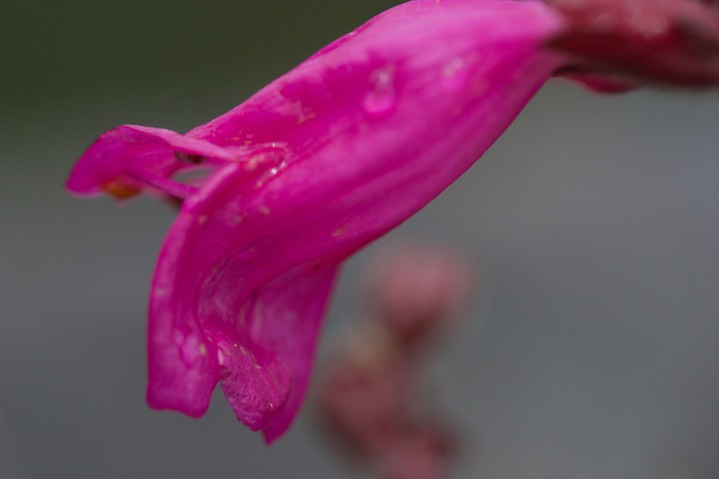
[(202, 219), (341, 231), (202, 349), (265, 210), (120, 190)]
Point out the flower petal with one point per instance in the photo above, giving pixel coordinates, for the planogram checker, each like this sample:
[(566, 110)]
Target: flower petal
[(373, 133), (313, 167), (129, 153), (288, 315), (228, 306), (129, 158)]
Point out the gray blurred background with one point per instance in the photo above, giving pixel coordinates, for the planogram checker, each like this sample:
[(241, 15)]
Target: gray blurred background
[(590, 348)]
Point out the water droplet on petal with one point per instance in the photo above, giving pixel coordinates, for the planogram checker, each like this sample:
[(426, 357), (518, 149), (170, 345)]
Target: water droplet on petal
[(272, 171), (382, 97)]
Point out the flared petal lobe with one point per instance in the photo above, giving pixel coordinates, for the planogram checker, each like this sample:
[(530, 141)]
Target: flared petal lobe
[(325, 159), (130, 158)]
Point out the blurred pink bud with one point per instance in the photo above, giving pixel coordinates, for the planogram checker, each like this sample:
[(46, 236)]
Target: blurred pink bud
[(418, 289), (362, 403), (423, 454), (370, 397)]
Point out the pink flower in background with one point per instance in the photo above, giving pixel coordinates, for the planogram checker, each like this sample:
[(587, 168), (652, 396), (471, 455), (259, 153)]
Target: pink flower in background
[(373, 396), (277, 192)]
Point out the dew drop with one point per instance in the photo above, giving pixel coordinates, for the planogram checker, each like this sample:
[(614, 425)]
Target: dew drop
[(271, 172), (381, 99)]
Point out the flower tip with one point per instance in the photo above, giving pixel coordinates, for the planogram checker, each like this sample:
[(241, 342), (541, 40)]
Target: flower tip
[(166, 400), (269, 437), (160, 405), (281, 423), (77, 184)]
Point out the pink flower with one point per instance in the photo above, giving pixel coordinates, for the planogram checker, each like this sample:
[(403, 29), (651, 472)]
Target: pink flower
[(371, 396), (314, 166)]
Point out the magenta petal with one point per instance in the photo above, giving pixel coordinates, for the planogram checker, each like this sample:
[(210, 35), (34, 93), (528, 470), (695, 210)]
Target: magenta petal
[(320, 162), (286, 316), (133, 154), (228, 306), (130, 158)]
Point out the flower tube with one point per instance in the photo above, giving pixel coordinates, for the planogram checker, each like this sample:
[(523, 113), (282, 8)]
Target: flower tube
[(323, 160)]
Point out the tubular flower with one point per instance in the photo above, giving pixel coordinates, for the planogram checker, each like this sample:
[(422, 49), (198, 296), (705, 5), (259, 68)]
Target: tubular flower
[(314, 166)]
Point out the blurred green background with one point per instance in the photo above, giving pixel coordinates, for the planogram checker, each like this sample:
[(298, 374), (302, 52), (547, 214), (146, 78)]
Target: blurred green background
[(60, 50), (590, 350)]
